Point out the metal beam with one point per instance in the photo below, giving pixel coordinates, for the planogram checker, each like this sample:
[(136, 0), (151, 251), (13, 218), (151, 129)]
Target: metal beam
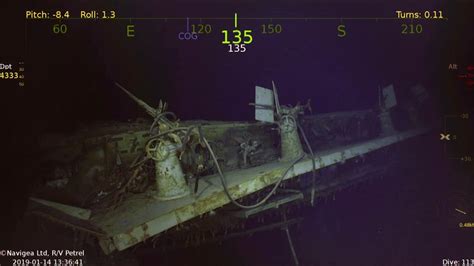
[(77, 212), (274, 204)]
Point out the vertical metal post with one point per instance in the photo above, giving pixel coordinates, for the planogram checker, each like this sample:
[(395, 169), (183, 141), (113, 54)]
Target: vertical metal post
[(290, 141), (170, 179), (292, 248), (386, 123)]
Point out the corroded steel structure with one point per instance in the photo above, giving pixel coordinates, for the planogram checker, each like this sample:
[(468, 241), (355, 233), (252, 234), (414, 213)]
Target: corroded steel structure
[(126, 183)]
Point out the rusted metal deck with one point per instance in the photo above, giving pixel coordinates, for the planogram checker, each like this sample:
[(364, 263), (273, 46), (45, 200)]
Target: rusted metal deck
[(143, 216)]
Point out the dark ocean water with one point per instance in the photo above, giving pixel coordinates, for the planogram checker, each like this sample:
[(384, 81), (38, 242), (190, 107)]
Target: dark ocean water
[(405, 219)]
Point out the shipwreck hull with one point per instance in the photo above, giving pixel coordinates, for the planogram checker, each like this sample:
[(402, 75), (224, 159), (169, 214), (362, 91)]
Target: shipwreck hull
[(139, 219), (336, 139), (88, 158)]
